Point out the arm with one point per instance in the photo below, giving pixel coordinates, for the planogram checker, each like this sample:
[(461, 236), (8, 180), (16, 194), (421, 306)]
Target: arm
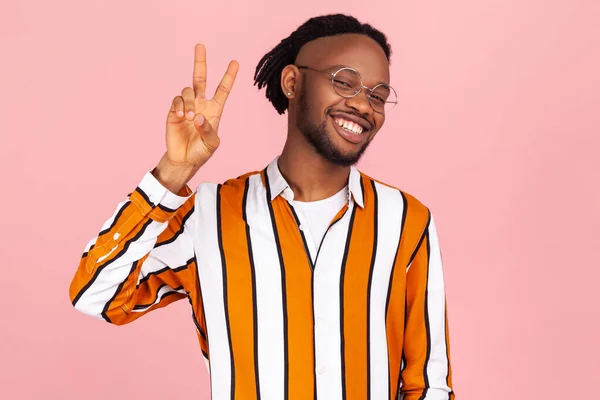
[(143, 258), (426, 371)]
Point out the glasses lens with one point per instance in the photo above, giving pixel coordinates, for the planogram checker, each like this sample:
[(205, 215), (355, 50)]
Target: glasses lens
[(346, 82), (383, 98)]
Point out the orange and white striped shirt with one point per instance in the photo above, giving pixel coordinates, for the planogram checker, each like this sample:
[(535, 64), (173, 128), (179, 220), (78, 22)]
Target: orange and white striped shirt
[(361, 317)]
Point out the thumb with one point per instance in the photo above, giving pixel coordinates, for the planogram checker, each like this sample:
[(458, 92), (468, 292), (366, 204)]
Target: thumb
[(203, 126), (200, 122)]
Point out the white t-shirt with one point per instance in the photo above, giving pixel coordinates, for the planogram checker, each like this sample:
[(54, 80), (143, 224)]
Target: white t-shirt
[(319, 214)]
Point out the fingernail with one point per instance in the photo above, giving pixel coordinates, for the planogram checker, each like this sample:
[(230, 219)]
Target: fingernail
[(190, 114), (200, 120), (180, 113)]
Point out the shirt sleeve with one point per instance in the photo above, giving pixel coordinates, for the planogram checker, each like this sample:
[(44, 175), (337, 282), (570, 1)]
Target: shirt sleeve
[(143, 258), (426, 370)]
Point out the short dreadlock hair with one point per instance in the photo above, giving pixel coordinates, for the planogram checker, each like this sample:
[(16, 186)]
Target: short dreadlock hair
[(268, 71)]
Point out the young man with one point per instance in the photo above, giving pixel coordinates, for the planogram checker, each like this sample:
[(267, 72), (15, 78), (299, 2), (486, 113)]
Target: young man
[(307, 279)]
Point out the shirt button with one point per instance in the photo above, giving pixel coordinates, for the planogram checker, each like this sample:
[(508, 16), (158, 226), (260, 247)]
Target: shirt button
[(321, 370), (318, 273)]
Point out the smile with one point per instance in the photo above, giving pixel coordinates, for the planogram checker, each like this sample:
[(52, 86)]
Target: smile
[(348, 125), (348, 130)]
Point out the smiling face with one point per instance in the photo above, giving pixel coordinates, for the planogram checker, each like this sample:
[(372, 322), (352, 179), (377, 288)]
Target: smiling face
[(339, 128)]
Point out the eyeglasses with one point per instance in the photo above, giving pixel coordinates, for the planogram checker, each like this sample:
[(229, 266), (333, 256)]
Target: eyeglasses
[(347, 82)]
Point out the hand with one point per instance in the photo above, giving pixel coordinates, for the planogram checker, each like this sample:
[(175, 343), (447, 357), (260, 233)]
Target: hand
[(193, 121)]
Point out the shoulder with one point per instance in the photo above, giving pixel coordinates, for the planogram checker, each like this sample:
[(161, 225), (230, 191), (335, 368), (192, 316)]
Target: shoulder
[(229, 187), (413, 207)]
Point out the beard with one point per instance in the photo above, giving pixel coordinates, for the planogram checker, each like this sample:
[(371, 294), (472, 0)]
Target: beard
[(320, 139)]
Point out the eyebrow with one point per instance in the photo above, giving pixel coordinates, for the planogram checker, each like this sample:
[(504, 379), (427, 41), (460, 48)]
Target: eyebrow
[(338, 66)]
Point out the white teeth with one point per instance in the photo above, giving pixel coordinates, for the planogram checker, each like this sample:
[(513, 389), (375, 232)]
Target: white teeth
[(349, 126)]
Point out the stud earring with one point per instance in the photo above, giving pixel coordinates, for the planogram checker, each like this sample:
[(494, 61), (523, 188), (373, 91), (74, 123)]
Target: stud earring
[(289, 94)]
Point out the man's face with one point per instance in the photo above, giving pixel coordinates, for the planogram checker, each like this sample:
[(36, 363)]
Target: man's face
[(320, 110)]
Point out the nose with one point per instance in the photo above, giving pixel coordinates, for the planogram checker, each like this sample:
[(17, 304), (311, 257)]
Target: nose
[(360, 103)]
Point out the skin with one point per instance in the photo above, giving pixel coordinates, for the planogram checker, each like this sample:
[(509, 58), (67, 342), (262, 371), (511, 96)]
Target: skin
[(192, 126), (315, 159)]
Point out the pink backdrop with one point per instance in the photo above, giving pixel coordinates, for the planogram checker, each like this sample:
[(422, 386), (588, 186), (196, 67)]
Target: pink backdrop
[(497, 131)]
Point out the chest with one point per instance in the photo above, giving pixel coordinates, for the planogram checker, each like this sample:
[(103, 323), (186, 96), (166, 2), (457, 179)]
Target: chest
[(267, 255)]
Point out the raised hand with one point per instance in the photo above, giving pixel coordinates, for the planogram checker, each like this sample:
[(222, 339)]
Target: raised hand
[(193, 120)]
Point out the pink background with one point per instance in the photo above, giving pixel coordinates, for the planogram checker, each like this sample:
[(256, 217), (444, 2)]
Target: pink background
[(497, 131)]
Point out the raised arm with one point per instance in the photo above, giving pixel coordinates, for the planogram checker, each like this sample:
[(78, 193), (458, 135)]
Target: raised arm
[(144, 258)]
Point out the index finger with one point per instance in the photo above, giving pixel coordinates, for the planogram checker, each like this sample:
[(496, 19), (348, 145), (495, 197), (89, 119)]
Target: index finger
[(226, 84), (199, 78)]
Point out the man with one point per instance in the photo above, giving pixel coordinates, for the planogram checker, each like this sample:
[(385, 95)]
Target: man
[(307, 279)]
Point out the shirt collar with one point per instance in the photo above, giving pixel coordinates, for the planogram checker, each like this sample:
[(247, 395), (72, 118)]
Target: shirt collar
[(279, 185)]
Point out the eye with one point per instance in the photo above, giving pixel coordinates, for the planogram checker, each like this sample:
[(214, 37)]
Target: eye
[(377, 99), (343, 83)]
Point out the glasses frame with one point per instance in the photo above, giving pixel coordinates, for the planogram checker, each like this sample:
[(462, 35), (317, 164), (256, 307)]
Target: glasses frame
[(362, 87)]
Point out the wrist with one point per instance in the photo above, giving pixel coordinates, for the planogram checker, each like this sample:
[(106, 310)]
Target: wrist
[(173, 177)]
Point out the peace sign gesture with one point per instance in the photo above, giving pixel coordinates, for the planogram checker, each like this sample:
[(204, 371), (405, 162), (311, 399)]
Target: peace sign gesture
[(193, 120)]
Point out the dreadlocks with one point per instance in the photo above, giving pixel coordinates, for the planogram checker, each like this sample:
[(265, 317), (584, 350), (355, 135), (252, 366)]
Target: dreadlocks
[(268, 71)]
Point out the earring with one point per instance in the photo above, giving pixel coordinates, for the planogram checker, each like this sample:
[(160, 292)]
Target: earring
[(289, 94)]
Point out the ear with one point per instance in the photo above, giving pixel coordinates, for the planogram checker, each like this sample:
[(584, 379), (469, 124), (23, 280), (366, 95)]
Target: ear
[(289, 80)]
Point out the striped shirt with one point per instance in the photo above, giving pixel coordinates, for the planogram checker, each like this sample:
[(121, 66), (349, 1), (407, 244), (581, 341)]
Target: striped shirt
[(363, 316)]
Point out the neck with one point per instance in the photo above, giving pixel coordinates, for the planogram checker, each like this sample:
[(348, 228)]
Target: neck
[(310, 176)]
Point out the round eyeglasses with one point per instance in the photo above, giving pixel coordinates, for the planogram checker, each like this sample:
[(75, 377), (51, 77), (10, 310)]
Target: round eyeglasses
[(347, 83)]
